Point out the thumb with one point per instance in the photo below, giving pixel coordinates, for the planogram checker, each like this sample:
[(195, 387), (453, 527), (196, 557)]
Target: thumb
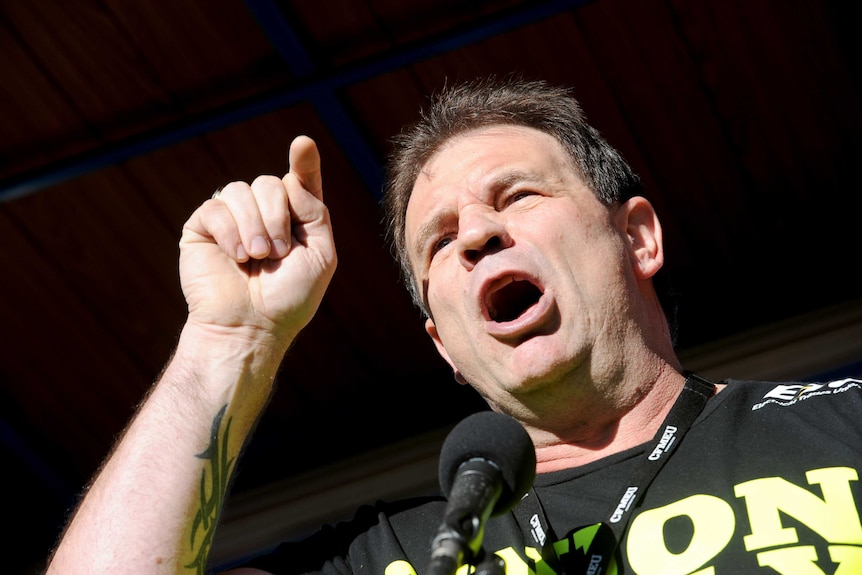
[(304, 161)]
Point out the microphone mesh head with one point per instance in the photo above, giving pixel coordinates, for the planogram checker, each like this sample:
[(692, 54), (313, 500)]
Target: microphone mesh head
[(499, 439)]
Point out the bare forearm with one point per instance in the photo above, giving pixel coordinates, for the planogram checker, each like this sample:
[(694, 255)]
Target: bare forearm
[(254, 266), (154, 506)]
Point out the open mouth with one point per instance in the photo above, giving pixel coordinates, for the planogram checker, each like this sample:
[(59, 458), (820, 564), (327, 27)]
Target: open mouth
[(511, 299)]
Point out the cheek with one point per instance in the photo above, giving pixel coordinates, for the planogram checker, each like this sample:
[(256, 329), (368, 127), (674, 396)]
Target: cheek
[(440, 303), (441, 287)]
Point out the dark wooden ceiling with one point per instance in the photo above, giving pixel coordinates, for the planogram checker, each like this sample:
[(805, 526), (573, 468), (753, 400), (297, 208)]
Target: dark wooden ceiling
[(120, 117)]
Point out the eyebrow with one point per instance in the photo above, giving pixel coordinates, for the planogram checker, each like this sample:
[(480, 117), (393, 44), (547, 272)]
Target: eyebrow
[(501, 181), (426, 231)]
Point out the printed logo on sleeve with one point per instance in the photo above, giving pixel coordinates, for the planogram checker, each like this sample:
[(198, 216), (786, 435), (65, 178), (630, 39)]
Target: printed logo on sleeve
[(790, 394)]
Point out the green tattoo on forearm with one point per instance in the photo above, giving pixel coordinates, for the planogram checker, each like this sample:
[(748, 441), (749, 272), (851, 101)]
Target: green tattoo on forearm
[(212, 499)]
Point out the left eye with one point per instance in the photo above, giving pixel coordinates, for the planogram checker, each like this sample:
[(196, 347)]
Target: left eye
[(520, 195), (440, 245)]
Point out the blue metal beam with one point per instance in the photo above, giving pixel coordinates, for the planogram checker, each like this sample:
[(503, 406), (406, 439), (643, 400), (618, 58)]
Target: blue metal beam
[(317, 90), (328, 107)]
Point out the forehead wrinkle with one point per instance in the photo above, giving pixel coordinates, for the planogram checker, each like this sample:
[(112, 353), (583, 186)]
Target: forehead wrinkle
[(499, 182), (509, 178)]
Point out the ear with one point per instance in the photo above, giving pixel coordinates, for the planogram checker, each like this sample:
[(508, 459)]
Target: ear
[(431, 330), (642, 229)]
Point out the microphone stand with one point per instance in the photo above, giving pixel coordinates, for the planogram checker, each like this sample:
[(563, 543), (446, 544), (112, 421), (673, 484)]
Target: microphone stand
[(491, 564), (488, 564), (451, 547), (459, 538)]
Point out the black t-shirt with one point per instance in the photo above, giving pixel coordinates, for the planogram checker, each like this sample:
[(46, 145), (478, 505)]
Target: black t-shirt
[(765, 481)]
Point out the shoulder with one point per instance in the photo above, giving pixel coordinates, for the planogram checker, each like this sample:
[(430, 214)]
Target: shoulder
[(833, 405), (786, 393), (376, 535), (400, 517)]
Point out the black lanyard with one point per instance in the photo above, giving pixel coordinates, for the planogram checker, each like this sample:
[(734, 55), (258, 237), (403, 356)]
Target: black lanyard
[(534, 522)]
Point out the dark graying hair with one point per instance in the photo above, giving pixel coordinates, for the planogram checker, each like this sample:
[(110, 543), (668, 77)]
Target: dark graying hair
[(487, 102)]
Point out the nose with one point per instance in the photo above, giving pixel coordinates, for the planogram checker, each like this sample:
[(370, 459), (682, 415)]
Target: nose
[(481, 231)]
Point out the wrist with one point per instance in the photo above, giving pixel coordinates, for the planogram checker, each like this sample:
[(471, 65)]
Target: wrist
[(226, 360)]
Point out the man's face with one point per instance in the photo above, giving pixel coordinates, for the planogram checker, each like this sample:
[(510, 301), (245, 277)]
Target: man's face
[(522, 268)]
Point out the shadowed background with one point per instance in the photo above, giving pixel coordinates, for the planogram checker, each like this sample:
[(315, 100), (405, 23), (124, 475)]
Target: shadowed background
[(743, 118)]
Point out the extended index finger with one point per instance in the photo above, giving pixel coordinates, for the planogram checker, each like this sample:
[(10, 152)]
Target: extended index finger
[(304, 161)]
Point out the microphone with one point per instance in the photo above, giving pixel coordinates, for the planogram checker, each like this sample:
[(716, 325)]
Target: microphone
[(487, 464)]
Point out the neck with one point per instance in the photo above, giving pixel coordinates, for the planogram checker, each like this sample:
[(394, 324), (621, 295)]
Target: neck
[(608, 429)]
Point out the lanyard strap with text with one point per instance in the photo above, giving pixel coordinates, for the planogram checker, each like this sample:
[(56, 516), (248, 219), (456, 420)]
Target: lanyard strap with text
[(685, 410)]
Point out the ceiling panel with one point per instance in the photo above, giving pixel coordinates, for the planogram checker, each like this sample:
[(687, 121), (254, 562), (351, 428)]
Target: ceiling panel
[(743, 119)]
